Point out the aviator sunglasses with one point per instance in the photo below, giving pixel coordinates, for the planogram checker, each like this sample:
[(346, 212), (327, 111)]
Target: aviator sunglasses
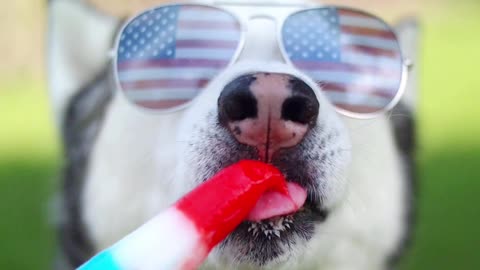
[(165, 56)]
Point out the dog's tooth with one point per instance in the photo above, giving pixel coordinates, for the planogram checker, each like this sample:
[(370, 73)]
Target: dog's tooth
[(272, 227), (279, 222), (289, 219)]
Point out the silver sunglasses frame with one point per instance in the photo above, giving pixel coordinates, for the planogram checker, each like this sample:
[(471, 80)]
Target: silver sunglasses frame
[(234, 9)]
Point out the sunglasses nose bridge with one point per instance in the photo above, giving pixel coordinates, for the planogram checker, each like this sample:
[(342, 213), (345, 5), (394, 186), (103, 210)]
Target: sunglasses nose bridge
[(261, 41)]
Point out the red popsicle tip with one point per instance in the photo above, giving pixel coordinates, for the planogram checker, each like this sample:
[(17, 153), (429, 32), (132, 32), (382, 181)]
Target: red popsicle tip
[(265, 174), (220, 204)]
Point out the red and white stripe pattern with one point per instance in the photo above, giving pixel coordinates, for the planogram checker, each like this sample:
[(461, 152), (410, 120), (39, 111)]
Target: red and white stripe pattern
[(353, 56), (167, 55)]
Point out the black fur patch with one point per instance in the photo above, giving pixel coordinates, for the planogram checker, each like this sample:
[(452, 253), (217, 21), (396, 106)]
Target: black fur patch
[(403, 124), (82, 123)]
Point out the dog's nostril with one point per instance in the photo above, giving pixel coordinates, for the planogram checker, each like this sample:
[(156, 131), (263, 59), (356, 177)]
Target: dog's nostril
[(240, 106), (237, 105), (237, 102), (300, 109)]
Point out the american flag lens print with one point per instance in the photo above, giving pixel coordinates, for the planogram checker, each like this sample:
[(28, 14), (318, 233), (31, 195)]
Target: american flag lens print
[(167, 55), (354, 57)]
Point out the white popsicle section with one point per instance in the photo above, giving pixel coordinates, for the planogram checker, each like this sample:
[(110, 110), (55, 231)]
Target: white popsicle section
[(162, 243), (170, 241)]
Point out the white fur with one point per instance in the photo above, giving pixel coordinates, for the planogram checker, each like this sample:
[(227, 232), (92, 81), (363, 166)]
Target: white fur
[(79, 41), (138, 166), (134, 161), (368, 224)]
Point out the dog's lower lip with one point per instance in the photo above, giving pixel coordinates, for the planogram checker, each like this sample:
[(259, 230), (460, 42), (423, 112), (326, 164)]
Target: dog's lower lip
[(319, 214), (300, 210)]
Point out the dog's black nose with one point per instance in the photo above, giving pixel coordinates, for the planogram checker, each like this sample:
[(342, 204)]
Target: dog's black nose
[(268, 110)]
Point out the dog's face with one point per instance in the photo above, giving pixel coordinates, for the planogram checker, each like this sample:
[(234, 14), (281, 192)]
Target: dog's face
[(258, 108), (261, 108)]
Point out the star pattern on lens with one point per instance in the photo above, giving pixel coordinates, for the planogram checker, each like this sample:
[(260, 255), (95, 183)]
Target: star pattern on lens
[(151, 36), (313, 35)]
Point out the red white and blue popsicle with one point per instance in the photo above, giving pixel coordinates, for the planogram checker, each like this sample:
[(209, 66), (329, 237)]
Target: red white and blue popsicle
[(181, 237)]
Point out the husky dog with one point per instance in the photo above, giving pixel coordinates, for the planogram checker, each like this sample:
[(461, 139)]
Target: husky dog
[(123, 164)]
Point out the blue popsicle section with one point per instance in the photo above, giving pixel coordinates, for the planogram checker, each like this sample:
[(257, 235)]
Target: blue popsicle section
[(102, 261)]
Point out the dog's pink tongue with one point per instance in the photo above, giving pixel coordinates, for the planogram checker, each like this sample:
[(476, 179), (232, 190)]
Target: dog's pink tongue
[(273, 204)]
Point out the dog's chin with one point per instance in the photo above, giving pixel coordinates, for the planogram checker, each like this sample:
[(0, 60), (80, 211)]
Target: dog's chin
[(273, 240)]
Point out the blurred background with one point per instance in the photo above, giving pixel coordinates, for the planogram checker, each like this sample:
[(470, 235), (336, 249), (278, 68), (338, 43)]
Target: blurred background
[(448, 210)]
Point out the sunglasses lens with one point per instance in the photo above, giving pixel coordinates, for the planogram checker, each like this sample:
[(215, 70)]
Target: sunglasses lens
[(167, 55), (354, 57)]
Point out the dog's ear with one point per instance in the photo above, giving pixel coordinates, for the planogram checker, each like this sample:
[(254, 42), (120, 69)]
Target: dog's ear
[(79, 41), (408, 32)]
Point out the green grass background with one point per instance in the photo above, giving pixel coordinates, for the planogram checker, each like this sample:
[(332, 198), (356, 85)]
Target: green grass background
[(448, 208)]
